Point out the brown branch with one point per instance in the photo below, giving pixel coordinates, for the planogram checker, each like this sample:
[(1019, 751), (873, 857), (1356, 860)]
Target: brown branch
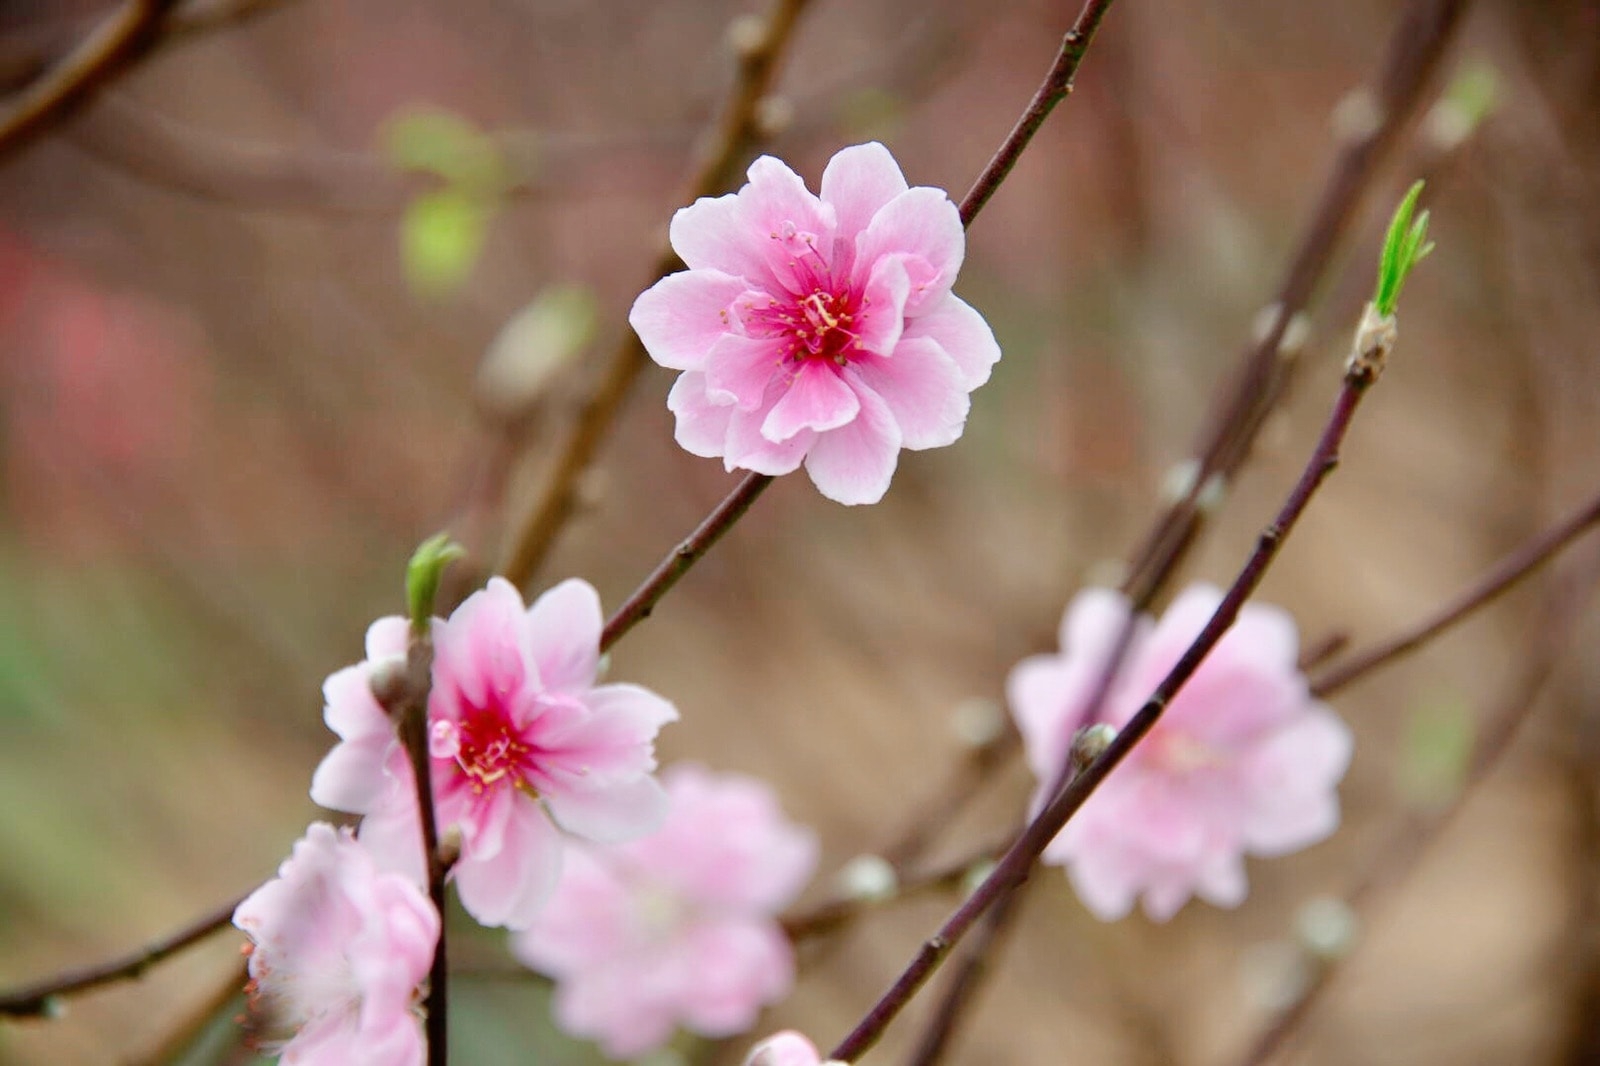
[(1525, 559), (1563, 610), (720, 158), (1415, 53), (1018, 862), (104, 53), (39, 999)]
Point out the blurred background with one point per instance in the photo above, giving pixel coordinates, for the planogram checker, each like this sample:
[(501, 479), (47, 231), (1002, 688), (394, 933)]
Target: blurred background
[(240, 352)]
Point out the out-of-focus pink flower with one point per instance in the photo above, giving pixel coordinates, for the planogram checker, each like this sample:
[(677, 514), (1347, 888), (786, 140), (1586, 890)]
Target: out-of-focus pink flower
[(820, 329), (339, 950), (677, 927), (787, 1048), (1244, 760), (521, 741)]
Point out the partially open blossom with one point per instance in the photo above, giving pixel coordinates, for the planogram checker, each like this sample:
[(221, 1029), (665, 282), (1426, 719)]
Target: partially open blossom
[(787, 1048), (1243, 760), (678, 927), (818, 328), (522, 743), (339, 948)]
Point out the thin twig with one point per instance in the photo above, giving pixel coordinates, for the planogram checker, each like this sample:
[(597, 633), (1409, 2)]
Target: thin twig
[(37, 1000), (1528, 557), (967, 979), (1057, 83), (719, 162), (408, 707), (1563, 609), (1018, 861), (1415, 52), (826, 917), (104, 53), (1055, 87)]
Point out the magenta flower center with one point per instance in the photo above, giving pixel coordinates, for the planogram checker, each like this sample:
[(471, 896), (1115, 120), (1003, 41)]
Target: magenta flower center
[(488, 751), (821, 322)]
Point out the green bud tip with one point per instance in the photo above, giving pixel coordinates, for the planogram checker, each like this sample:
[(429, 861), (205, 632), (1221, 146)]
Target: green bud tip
[(423, 574), (1404, 247)]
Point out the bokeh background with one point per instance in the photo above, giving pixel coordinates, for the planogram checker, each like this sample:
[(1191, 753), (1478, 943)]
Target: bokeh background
[(240, 379)]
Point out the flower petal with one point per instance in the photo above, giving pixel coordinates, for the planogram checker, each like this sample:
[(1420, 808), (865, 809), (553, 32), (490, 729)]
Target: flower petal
[(714, 233), (611, 813), (924, 224), (962, 332), (855, 463), (563, 628), (857, 182), (793, 229), (681, 316), (738, 370), (924, 392), (747, 449), (817, 398), (880, 317), (510, 889), (702, 426)]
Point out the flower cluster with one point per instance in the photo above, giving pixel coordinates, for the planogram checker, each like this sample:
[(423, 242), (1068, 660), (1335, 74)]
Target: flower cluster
[(338, 950), (522, 744), (1243, 760), (821, 328), (677, 927)]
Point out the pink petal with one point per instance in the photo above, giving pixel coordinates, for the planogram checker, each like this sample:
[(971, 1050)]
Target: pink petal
[(714, 233), (784, 1049), (793, 228), (611, 813), (352, 777), (816, 399), (924, 392), (612, 1006), (393, 837), (855, 463), (920, 222), (1106, 885), (388, 638), (962, 332), (681, 316), (1045, 693), (563, 628), (351, 710), (510, 889), (1292, 780), (587, 923), (702, 426), (739, 967), (747, 449), (857, 182), (738, 370), (482, 648), (1223, 882), (880, 318)]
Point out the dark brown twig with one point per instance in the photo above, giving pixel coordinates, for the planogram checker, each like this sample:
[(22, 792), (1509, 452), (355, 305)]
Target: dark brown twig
[(1415, 53), (1528, 557), (1563, 609), (719, 162), (1019, 859), (1057, 83), (104, 53), (36, 1000)]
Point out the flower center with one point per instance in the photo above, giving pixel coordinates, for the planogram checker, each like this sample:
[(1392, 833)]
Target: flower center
[(820, 325), (484, 747), (1181, 754)]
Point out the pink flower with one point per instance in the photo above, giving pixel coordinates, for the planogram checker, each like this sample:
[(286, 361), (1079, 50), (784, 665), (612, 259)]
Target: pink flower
[(677, 927), (339, 950), (787, 1048), (1243, 760), (815, 328), (523, 745)]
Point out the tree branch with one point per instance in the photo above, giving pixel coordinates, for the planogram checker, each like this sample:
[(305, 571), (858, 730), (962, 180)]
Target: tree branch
[(104, 53), (1019, 859)]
